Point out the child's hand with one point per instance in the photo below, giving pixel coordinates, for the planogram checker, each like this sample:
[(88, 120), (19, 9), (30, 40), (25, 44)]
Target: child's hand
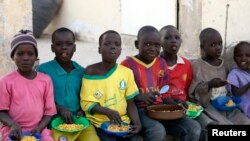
[(182, 103), (134, 129), (217, 82), (66, 115), (147, 97), (169, 100), (80, 113), (114, 116), (15, 132)]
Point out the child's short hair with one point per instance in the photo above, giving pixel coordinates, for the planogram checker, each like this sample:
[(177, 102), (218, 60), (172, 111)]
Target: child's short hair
[(166, 27), (23, 37), (241, 43), (206, 33), (106, 32), (62, 29), (144, 29)]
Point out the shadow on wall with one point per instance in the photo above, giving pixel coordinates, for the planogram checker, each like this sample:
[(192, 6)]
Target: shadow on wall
[(43, 12), (228, 56)]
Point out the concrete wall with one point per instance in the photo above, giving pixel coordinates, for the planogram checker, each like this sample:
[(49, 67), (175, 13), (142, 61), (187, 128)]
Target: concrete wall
[(190, 25), (229, 17), (236, 18), (88, 18), (14, 15)]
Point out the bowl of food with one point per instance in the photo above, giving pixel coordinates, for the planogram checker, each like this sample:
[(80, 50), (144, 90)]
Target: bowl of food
[(118, 130), (166, 112), (194, 110), (27, 136), (226, 103), (79, 124)]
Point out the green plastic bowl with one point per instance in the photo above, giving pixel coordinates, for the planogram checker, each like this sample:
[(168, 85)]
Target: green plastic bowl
[(194, 113), (77, 120)]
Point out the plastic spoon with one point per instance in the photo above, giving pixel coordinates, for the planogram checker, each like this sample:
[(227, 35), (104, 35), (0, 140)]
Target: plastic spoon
[(164, 89)]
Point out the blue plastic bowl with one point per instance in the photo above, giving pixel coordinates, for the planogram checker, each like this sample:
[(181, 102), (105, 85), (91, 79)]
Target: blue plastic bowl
[(220, 102), (26, 133), (105, 125)]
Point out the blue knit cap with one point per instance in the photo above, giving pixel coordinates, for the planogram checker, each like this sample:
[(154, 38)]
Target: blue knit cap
[(23, 37)]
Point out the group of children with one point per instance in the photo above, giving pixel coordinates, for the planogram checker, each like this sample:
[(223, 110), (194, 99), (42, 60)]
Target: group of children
[(108, 91)]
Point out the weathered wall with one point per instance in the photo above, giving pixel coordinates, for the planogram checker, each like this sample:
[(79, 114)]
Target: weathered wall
[(88, 18), (14, 15), (229, 17), (190, 25)]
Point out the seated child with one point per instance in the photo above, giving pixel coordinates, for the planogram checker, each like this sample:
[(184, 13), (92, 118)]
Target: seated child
[(209, 80), (108, 90), (239, 76), (151, 73), (66, 75), (179, 68), (26, 96)]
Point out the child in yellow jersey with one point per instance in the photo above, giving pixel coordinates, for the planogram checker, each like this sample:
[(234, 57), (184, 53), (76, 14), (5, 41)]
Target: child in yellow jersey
[(108, 90)]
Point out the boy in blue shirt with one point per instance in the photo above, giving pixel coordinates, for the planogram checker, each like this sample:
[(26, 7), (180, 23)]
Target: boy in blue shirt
[(67, 77)]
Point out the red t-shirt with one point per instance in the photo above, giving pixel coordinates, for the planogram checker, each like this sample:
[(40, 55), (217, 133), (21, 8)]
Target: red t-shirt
[(179, 78)]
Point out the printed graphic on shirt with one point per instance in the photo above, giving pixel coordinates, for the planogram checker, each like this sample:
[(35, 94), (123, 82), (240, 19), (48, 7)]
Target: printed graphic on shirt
[(184, 77), (98, 94), (161, 73), (122, 85), (63, 138)]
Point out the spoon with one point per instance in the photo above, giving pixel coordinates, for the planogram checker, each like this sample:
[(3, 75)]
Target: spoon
[(164, 89)]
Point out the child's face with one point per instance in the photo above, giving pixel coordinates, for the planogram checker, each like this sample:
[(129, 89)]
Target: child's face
[(212, 46), (25, 57), (110, 48), (242, 57), (63, 46), (171, 41), (149, 46)]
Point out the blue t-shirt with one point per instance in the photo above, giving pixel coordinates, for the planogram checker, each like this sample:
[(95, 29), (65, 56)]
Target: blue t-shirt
[(66, 85)]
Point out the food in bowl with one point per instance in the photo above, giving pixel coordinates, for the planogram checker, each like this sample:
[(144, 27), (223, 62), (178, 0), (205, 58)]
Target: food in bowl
[(28, 138), (114, 130), (193, 107), (230, 103), (193, 110), (166, 112), (118, 128), (77, 121), (70, 127)]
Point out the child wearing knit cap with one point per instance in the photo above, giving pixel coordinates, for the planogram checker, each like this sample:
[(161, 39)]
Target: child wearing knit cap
[(26, 96)]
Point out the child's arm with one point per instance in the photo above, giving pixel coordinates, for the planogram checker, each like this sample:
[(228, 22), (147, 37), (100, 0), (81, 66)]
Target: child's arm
[(43, 123), (216, 82), (240, 91), (113, 115), (15, 130), (133, 114)]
